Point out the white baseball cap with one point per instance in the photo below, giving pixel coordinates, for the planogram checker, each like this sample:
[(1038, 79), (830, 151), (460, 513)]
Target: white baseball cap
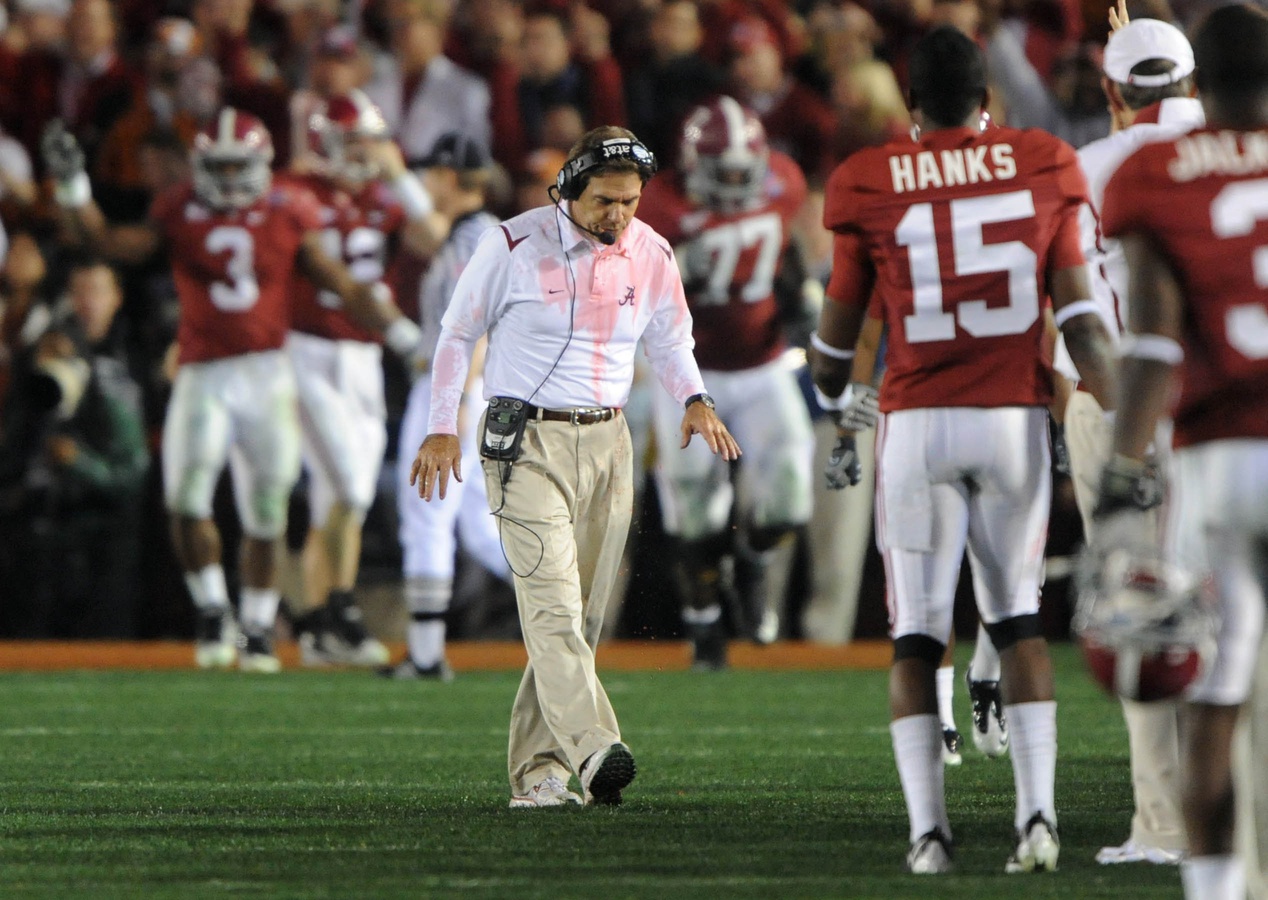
[(1142, 39)]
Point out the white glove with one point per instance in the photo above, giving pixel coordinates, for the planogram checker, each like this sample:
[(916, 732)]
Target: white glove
[(857, 409)]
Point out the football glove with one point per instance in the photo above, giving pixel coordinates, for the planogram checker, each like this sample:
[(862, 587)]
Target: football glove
[(844, 468), (857, 409), (1128, 485)]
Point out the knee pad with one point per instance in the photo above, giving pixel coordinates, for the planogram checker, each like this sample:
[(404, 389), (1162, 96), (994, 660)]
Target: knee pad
[(264, 514), (921, 647), (1007, 632)]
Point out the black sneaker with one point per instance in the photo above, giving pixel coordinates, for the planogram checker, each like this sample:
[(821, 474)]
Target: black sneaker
[(708, 647), (931, 854), (990, 729), (214, 646), (605, 773), (407, 670), (255, 653)]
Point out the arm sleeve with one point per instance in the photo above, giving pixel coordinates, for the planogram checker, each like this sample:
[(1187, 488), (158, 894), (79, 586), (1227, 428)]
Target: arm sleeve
[(472, 310), (667, 340), (853, 275)]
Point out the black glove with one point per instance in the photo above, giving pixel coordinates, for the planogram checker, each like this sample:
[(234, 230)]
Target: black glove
[(1128, 484), (844, 468), (63, 157)]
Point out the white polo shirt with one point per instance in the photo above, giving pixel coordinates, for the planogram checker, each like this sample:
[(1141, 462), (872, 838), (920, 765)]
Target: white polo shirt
[(1106, 265), (564, 314)]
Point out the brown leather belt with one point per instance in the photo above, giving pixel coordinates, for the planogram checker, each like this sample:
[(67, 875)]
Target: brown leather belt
[(585, 416)]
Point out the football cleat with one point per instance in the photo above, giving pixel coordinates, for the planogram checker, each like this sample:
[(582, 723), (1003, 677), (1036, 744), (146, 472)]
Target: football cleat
[(951, 743), (551, 792), (1037, 848), (1145, 627), (334, 635), (408, 670), (708, 647), (930, 854), (215, 644), (990, 729), (605, 773), (255, 654)]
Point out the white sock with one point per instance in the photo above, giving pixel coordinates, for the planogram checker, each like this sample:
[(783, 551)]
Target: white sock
[(946, 692), (208, 589), (985, 663), (1032, 730), (427, 600), (918, 752), (258, 610), (1213, 878)]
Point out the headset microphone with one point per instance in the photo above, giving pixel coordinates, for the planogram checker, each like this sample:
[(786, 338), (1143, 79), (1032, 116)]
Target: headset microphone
[(606, 238)]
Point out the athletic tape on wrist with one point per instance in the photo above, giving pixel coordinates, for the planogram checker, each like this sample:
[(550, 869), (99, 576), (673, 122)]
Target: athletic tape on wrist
[(414, 198), (1152, 346), (828, 350)]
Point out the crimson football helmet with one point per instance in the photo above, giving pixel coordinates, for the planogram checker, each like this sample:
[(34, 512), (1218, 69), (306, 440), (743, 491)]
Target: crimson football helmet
[(1145, 626), (230, 160), (334, 128), (723, 155)]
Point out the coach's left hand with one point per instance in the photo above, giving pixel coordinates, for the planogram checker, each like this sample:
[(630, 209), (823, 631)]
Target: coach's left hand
[(701, 420), (439, 456)]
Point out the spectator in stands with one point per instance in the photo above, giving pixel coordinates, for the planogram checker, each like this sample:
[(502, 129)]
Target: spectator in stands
[(88, 85), (77, 453), (673, 80), (567, 61), (486, 36), (798, 121), (870, 108), (422, 92)]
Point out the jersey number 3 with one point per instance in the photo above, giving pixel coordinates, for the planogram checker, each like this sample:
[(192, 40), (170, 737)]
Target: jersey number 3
[(241, 291), (930, 320), (1235, 212)]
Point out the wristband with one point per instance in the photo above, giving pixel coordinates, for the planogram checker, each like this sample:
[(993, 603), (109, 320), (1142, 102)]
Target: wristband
[(74, 193), (828, 350), (413, 197), (403, 337), (1155, 347)]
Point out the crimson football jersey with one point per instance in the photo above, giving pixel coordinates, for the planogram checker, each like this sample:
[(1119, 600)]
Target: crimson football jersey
[(733, 308), (233, 270), (357, 230), (1202, 200), (956, 234)]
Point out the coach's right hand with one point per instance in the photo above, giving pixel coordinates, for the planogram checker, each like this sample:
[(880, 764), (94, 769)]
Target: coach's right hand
[(438, 456)]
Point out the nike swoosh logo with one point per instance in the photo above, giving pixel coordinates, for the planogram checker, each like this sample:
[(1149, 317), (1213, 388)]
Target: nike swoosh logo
[(512, 243), (553, 290)]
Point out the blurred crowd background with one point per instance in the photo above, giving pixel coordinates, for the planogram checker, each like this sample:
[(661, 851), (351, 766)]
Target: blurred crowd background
[(84, 550)]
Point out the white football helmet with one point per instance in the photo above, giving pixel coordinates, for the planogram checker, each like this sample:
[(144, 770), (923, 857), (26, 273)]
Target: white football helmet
[(1146, 627), (230, 160), (723, 155), (336, 127)]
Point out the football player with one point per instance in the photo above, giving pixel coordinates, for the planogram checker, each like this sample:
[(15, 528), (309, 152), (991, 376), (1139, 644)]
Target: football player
[(367, 201), (727, 210), (961, 235), (235, 240), (457, 173), (1149, 85), (1192, 215)]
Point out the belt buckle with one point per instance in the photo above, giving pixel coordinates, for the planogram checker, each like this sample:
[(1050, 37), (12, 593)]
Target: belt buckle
[(574, 417)]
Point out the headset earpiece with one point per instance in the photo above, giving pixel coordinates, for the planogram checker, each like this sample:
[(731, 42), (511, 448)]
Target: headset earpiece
[(573, 177)]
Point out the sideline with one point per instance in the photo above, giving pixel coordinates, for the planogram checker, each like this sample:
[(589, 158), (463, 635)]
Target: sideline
[(470, 656)]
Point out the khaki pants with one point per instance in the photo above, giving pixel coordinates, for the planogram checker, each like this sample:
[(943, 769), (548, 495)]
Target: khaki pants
[(1152, 729), (564, 519)]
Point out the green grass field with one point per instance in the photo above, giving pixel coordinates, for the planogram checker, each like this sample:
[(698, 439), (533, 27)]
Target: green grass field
[(751, 784)]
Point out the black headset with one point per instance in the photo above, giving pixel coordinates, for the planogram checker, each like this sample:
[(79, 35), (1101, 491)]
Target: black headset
[(573, 177)]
